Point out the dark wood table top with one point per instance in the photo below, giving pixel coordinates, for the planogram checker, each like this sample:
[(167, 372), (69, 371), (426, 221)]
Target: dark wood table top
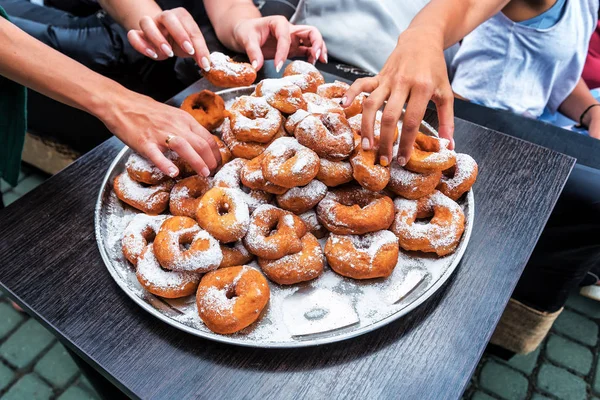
[(50, 264)]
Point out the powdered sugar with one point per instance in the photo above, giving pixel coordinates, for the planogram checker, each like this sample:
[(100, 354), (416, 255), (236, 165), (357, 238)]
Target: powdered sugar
[(223, 63), (132, 236), (193, 260), (137, 192), (150, 271), (301, 67), (312, 193), (465, 168), (369, 244)]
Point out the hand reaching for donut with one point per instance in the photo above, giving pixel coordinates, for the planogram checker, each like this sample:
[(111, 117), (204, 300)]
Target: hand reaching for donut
[(414, 72)]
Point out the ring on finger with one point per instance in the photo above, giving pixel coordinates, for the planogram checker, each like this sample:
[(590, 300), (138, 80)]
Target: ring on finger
[(168, 139)]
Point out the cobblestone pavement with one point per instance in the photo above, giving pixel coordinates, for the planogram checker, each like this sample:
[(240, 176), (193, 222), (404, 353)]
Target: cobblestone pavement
[(33, 365)]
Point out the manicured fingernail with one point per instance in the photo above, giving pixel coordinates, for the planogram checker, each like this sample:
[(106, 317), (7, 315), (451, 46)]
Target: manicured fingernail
[(383, 160), (343, 101), (254, 64), (366, 145), (278, 67), (167, 50), (205, 171), (151, 53), (402, 161), (173, 172), (317, 56), (325, 57), (187, 46), (452, 141), (205, 64)]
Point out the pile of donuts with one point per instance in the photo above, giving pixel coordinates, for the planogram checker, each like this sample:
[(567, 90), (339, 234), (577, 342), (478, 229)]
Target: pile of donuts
[(293, 172)]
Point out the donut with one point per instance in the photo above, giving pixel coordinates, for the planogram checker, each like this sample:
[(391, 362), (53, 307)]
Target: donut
[(143, 170), (458, 180), (334, 173), (302, 198), (206, 107), (281, 94), (152, 199), (172, 251), (223, 150), (318, 105), (254, 120), (224, 214), (230, 299), (288, 164), (293, 120), (369, 256), (353, 210), (224, 72), (234, 254), (440, 235), (186, 195), (274, 233), (430, 154), (312, 224), (367, 171), (229, 177), (240, 149), (303, 266), (139, 232), (412, 185), (313, 77), (329, 135), (336, 91), (306, 83), (161, 282), (252, 176), (355, 123)]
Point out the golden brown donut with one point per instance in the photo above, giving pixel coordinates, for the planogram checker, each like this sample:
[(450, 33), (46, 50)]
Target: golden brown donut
[(143, 170), (161, 282), (430, 154), (293, 120), (329, 135), (318, 105), (223, 150), (412, 185), (369, 256), (440, 235), (224, 214), (274, 233), (206, 107), (254, 120), (303, 266), (281, 94), (239, 149), (458, 180), (229, 177), (149, 199), (224, 72), (202, 255), (235, 254), (313, 225), (186, 195), (252, 176), (302, 198), (336, 91), (353, 210), (334, 173), (230, 299), (140, 231), (367, 171), (288, 164), (310, 73)]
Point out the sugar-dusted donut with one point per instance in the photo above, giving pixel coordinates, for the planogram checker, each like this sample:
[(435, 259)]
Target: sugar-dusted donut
[(235, 254), (329, 135), (353, 210), (149, 199), (336, 91), (312, 224), (281, 94), (274, 233), (355, 123), (224, 214), (334, 173), (224, 72), (223, 150), (161, 282), (430, 154), (367, 171), (458, 180), (231, 299), (303, 266), (206, 107), (440, 235), (302, 198), (287, 163), (412, 185), (252, 176), (318, 105), (144, 171), (369, 256), (229, 177), (139, 232), (310, 73), (240, 149), (306, 83), (186, 195), (254, 120), (293, 120), (202, 255)]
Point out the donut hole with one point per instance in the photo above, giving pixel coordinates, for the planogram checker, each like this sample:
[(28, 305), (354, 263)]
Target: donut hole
[(198, 105), (254, 113), (223, 208), (185, 243), (230, 292), (423, 221), (450, 172)]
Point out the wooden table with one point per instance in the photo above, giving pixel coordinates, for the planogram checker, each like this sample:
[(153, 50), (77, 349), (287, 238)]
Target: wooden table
[(50, 264)]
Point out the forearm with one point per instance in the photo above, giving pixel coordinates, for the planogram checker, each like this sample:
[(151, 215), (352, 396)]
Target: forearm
[(576, 103), (226, 14), (129, 12)]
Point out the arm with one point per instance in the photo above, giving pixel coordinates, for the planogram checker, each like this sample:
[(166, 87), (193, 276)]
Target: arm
[(416, 71), (128, 13), (229, 13), (576, 103), (137, 120)]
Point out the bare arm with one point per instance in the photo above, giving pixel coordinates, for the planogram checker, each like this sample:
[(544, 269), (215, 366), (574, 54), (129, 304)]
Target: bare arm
[(576, 103), (226, 14), (128, 13)]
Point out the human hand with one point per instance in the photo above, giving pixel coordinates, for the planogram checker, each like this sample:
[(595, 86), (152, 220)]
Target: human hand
[(275, 38), (145, 125), (415, 71), (594, 122), (170, 33)]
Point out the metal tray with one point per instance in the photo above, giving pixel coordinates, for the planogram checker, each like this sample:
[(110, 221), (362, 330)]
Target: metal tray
[(329, 309)]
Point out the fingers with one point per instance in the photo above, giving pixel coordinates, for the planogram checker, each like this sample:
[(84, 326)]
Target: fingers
[(199, 44), (280, 29), (389, 124), (181, 146), (255, 55), (311, 38), (370, 107), (170, 21), (415, 110), (157, 157), (214, 147), (360, 85), (444, 102), (142, 46), (154, 36), (206, 147)]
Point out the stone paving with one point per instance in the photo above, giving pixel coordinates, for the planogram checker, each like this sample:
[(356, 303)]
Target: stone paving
[(33, 365)]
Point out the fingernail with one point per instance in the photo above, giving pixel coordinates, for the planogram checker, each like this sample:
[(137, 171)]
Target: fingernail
[(205, 171), (254, 64), (402, 161), (187, 46), (343, 101), (317, 55), (452, 141), (366, 145), (383, 160), (205, 64), (167, 50), (278, 67), (325, 57), (173, 172), (151, 53)]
